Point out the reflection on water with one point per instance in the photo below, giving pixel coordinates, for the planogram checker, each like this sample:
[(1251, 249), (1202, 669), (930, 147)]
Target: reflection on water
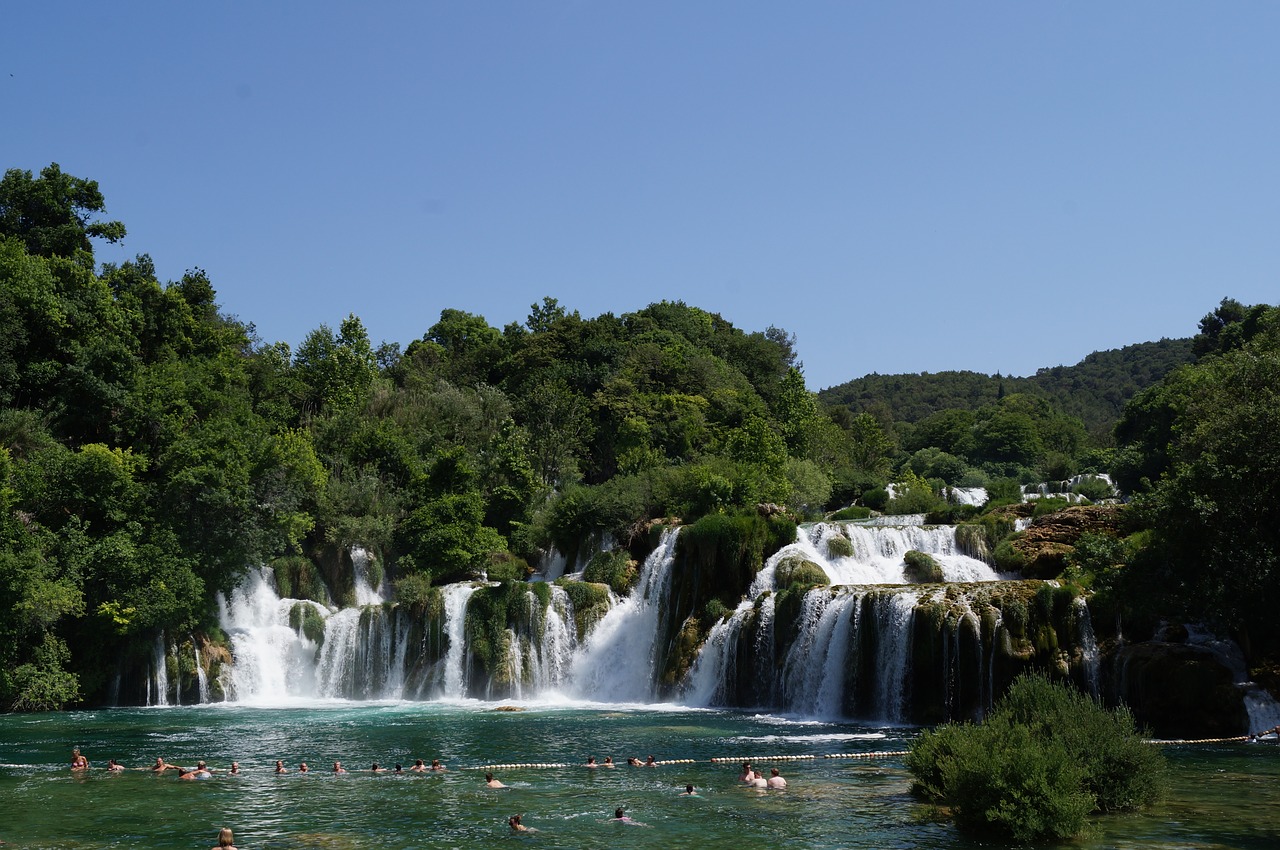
[(1223, 796)]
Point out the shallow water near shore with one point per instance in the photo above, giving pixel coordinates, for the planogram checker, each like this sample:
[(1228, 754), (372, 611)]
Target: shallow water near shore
[(1223, 796)]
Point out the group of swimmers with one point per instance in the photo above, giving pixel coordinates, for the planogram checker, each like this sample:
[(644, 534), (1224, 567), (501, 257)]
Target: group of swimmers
[(753, 778), (202, 771)]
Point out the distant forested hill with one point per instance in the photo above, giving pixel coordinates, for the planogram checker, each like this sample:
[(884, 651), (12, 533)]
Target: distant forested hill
[(1095, 389)]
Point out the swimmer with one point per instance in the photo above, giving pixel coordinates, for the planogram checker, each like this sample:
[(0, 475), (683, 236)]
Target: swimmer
[(758, 780), (436, 766), (490, 782), (632, 761), (516, 825), (78, 760), (688, 792), (591, 762), (161, 766), (235, 768), (418, 766), (114, 766), (302, 768), (399, 769), (620, 816), (338, 768), (608, 761), (649, 762), (226, 841), (775, 780), (747, 773), (377, 769), (280, 768)]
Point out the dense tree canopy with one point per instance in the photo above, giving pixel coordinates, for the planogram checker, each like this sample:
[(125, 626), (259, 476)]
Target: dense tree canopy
[(152, 449)]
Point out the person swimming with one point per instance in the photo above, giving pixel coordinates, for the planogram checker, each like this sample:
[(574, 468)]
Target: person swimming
[(436, 765), (338, 768), (235, 768), (591, 762), (398, 769), (649, 762), (114, 766), (688, 792), (608, 761), (775, 780), (418, 766), (280, 768), (620, 816), (517, 825), (78, 760), (632, 761), (490, 782), (226, 841), (161, 766), (377, 769)]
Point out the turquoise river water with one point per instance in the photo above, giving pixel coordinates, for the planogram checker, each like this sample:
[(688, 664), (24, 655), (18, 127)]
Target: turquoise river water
[(1223, 796)]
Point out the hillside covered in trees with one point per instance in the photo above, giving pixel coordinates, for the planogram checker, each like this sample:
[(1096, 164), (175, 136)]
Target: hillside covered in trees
[(153, 448)]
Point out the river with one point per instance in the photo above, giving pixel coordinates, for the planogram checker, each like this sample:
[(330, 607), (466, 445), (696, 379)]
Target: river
[(1223, 795)]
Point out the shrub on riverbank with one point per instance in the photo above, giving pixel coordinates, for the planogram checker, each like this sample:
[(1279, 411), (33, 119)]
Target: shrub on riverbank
[(1044, 759)]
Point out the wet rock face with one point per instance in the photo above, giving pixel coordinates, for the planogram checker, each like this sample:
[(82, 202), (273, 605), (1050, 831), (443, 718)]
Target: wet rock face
[(1178, 690), (1046, 544)]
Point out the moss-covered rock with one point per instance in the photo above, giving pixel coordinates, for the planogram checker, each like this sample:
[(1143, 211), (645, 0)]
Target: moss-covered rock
[(305, 619), (799, 571), (839, 546), (921, 568), (590, 602), (504, 566)]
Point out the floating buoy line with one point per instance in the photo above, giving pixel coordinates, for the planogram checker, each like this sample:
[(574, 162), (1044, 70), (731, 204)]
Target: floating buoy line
[(717, 760)]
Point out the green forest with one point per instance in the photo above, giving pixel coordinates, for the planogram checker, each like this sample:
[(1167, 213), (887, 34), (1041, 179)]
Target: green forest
[(153, 448)]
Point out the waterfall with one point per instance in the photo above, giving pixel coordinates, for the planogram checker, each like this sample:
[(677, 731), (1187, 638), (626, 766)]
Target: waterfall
[(893, 631), (272, 661), (1088, 647), (708, 678), (202, 679), (815, 669), (455, 622), (559, 641), (619, 656), (877, 554), (160, 675), (365, 594)]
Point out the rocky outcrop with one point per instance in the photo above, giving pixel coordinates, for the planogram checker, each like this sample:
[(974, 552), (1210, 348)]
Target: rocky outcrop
[(1045, 545)]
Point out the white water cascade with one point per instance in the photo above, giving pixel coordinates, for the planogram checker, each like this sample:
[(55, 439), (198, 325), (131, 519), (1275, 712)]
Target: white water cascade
[(617, 662), (273, 662), (160, 674), (202, 678), (454, 681), (877, 554)]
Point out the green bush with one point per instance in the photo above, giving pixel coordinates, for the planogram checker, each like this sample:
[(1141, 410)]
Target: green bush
[(503, 566), (305, 619), (1094, 489), (921, 568), (614, 568), (851, 512), (876, 499), (1051, 505), (1007, 558), (1045, 758)]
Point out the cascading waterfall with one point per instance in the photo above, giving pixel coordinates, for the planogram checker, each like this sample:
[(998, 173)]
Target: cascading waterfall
[(273, 661), (1088, 648), (618, 661), (893, 628), (202, 679), (454, 683), (159, 681)]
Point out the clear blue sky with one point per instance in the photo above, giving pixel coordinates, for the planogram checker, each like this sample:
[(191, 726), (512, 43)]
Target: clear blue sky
[(904, 186)]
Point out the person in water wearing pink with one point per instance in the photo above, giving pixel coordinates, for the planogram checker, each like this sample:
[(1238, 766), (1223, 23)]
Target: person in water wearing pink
[(78, 760)]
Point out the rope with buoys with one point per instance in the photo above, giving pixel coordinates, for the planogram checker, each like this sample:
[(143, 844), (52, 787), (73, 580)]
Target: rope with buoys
[(716, 760)]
